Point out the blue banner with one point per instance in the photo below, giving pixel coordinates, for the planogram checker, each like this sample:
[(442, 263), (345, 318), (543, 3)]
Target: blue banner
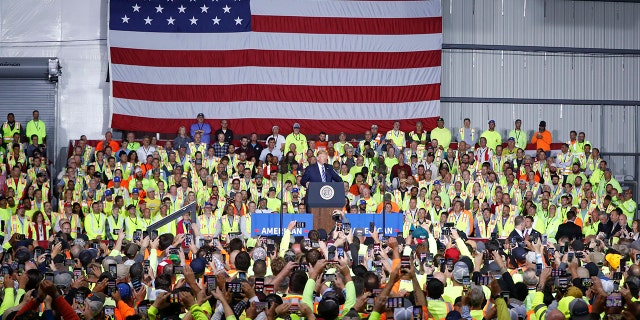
[(392, 224), (268, 224)]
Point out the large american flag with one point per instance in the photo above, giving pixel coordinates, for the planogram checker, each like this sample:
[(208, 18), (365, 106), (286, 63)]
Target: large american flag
[(330, 65)]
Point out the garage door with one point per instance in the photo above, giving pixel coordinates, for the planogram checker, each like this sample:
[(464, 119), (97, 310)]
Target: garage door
[(22, 92)]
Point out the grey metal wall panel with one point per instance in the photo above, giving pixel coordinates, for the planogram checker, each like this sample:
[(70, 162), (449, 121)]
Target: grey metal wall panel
[(23, 96), (539, 76), (558, 23)]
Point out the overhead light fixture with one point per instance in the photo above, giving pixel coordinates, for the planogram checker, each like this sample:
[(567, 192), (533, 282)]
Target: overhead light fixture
[(54, 69)]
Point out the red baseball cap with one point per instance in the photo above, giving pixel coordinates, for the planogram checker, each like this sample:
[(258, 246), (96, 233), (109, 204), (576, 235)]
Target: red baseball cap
[(453, 254)]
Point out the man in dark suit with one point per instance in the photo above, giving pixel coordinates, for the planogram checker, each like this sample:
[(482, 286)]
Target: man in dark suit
[(529, 231), (615, 220), (517, 235), (320, 172), (605, 227), (569, 229)]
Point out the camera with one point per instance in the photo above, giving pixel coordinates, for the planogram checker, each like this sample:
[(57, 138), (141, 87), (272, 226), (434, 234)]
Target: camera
[(336, 215)]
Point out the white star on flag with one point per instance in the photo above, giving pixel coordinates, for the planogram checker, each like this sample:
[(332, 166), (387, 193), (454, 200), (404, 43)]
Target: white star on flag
[(193, 20), (226, 9), (159, 8), (216, 20), (238, 21), (205, 8), (148, 20), (125, 19), (170, 21), (182, 9), (136, 8)]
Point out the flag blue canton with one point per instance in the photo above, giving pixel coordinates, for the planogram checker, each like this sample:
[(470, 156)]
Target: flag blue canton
[(180, 16)]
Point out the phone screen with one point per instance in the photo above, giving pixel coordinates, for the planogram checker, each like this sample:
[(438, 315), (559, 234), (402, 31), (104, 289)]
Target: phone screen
[(405, 262), (269, 289), (211, 284), (77, 273), (113, 269), (259, 284), (111, 287), (177, 270)]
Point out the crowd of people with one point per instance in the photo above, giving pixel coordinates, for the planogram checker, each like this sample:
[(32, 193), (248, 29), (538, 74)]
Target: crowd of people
[(489, 231)]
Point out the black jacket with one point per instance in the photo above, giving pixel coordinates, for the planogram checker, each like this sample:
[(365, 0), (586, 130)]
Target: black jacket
[(570, 230)]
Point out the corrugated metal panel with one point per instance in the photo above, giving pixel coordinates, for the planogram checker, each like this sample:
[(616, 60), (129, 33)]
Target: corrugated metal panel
[(552, 23), (23, 96), (539, 76)]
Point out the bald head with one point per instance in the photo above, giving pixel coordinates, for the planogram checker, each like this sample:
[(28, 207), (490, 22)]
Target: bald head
[(555, 315), (440, 276), (634, 270)]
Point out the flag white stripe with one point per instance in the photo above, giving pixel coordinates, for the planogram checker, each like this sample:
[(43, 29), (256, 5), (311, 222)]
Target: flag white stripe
[(275, 75), (284, 110), (347, 9), (275, 41)]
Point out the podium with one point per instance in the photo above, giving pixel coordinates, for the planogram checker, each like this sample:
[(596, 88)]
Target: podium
[(322, 199)]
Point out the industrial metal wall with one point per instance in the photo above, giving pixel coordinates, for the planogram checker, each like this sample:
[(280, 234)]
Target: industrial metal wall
[(554, 23), (476, 71)]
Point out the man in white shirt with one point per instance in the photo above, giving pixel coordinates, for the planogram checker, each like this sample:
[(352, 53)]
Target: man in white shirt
[(280, 139), (145, 150), (271, 148)]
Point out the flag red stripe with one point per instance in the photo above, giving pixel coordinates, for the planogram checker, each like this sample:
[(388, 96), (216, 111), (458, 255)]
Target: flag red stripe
[(268, 92), (276, 58), (248, 125), (365, 26)]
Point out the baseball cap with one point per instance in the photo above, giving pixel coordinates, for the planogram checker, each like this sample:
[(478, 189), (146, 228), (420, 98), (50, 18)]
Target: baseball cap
[(135, 190), (362, 201), (492, 121), (579, 310), (116, 179), (441, 119), (208, 204), (272, 189), (200, 114), (296, 125), (511, 139), (62, 280), (519, 253), (437, 182), (295, 190), (420, 233), (460, 270), (359, 232), (87, 256), (453, 254), (198, 265), (67, 204), (125, 290), (613, 259), (592, 268)]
